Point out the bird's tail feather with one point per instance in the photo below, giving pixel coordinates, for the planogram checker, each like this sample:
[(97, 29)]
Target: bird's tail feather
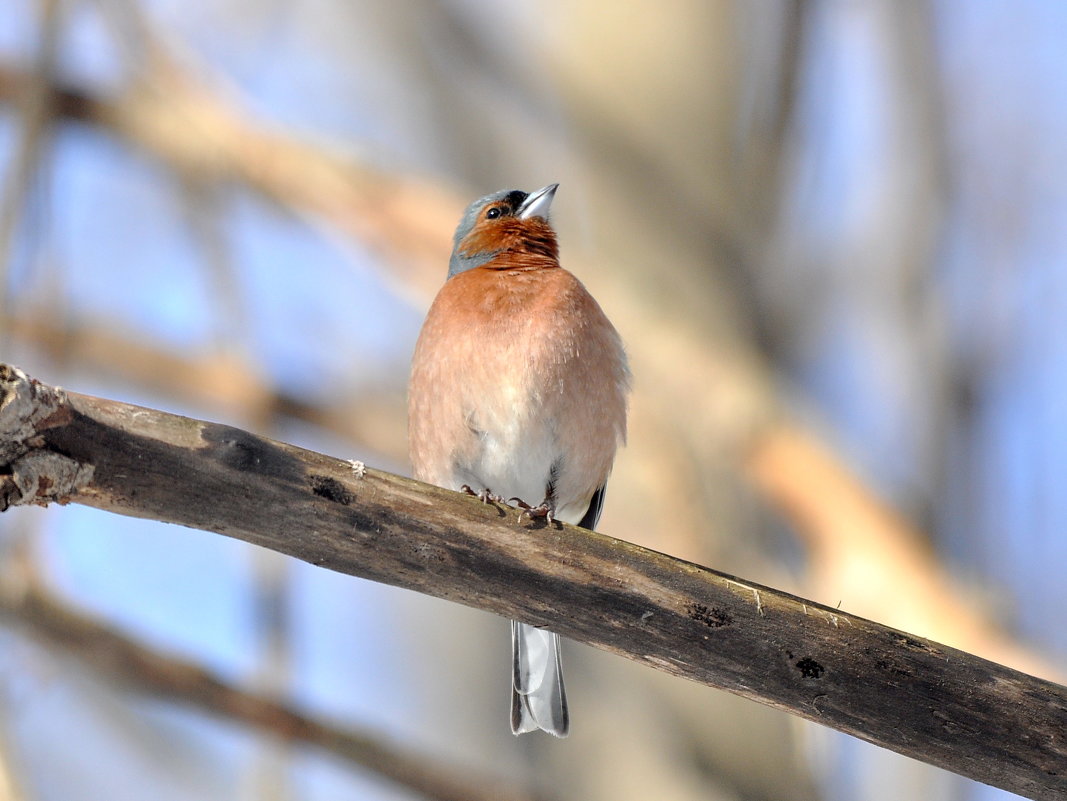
[(538, 700)]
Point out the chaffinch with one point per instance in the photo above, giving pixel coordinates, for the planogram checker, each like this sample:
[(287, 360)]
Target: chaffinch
[(518, 391)]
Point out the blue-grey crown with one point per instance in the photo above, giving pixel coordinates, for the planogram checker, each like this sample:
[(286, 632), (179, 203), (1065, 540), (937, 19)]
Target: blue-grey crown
[(459, 264)]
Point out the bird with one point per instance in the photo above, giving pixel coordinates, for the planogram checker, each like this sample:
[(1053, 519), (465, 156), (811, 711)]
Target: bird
[(518, 391)]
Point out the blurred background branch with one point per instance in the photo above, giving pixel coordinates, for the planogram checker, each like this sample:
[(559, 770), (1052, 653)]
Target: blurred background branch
[(35, 103), (132, 666)]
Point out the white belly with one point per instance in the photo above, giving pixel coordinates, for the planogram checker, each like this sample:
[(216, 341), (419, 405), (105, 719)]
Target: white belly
[(515, 452)]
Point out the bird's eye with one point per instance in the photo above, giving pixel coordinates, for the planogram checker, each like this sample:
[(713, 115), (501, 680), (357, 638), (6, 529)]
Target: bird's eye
[(493, 213)]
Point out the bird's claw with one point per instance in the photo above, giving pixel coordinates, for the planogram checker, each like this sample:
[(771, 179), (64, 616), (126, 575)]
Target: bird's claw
[(485, 496), (546, 510)]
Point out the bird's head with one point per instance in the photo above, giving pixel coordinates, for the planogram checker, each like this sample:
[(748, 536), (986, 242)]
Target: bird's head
[(506, 223)]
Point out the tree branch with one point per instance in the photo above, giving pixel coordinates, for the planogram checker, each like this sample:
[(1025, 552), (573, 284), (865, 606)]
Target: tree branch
[(924, 700)]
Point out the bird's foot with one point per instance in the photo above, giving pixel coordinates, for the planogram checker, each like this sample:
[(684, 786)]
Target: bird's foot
[(546, 510), (485, 496)]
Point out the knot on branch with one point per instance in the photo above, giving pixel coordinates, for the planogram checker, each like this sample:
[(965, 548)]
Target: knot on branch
[(28, 472)]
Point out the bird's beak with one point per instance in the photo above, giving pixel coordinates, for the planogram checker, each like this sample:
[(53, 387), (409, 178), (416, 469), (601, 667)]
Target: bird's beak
[(537, 203)]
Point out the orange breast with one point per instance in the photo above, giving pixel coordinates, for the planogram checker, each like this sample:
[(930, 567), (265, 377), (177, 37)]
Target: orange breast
[(520, 367)]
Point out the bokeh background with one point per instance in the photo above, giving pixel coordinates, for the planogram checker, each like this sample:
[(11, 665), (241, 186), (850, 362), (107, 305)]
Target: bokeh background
[(833, 235)]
